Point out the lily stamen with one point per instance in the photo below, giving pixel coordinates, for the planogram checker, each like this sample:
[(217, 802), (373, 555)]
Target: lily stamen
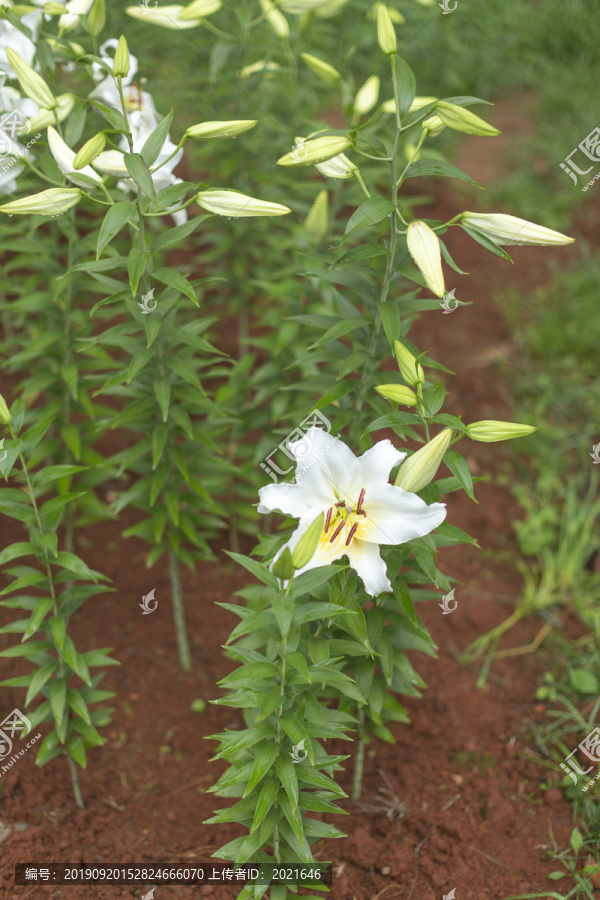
[(337, 531), (361, 497), (328, 519), (351, 534)]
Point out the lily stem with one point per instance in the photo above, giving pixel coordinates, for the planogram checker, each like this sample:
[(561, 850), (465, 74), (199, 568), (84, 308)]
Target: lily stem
[(359, 759), (183, 646)]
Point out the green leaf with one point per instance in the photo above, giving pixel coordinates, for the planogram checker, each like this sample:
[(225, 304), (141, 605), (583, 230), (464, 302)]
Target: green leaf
[(162, 390), (406, 84), (340, 329), (78, 705), (76, 748), (58, 628), (39, 679), (48, 749), (52, 473), (264, 760), (70, 377), (486, 242), (287, 774), (74, 564), (116, 119), (155, 142), (39, 614), (459, 468), (140, 173), (576, 840), (11, 448), (174, 236), (584, 681), (265, 801), (160, 435), (58, 699), (15, 551), (136, 266), (115, 219), (428, 167), (257, 569), (76, 661), (177, 282), (369, 213)]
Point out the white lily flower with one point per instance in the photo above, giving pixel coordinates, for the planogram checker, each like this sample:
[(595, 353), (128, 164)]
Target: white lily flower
[(112, 162), (75, 8), (64, 158), (338, 167), (424, 247), (362, 510), (16, 40)]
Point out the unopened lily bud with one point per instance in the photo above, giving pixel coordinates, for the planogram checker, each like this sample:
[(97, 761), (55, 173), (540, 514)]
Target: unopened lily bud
[(410, 369), (424, 247), (420, 468), (33, 85), (283, 567), (488, 431), (236, 205), (199, 9), (386, 34), (65, 160), (276, 20), (461, 119), (433, 125), (96, 19), (4, 413), (112, 162), (90, 150), (52, 202), (394, 15), (64, 105), (305, 548), (418, 103), (315, 225), (338, 167), (502, 229), (301, 6), (206, 131), (309, 152), (397, 393), (166, 16), (54, 9), (267, 69), (121, 63), (322, 69), (367, 96), (329, 8)]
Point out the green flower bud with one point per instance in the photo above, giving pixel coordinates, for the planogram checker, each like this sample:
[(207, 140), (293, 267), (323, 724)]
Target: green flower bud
[(420, 468), (304, 550), (433, 125), (64, 105), (166, 16), (410, 369), (96, 17), (315, 225), (54, 9), (4, 413), (503, 229), (386, 34), (121, 64), (267, 69), (462, 119), (311, 151), (236, 205), (338, 167), (367, 96), (90, 150), (283, 567), (489, 430), (322, 69), (32, 84), (199, 9), (52, 202), (276, 20), (424, 248), (227, 129), (397, 393)]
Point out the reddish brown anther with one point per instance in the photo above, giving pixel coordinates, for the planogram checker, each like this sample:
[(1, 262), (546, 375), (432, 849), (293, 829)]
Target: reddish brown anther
[(337, 531), (359, 511), (351, 534), (328, 519)]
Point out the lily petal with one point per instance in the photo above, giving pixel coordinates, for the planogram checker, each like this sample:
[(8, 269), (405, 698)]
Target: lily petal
[(326, 467), (395, 516), (378, 462), (286, 498), (366, 560)]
